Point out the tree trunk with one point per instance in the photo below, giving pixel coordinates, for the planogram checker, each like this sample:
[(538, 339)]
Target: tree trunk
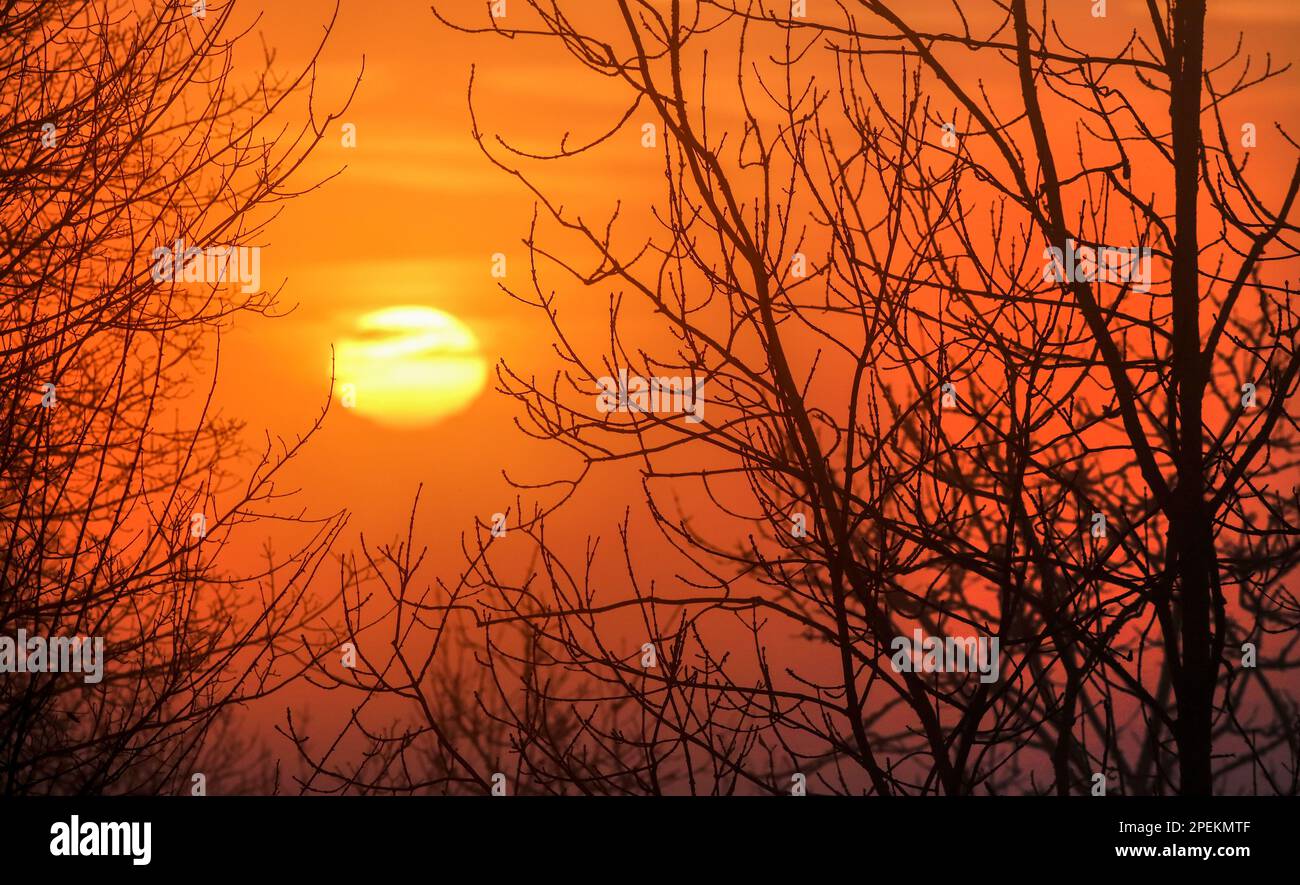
[(1191, 535)]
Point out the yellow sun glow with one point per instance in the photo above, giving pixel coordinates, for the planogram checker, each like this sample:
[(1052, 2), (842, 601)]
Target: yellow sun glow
[(408, 366)]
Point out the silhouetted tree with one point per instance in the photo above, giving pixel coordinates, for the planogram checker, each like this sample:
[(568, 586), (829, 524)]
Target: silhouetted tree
[(123, 129), (918, 416)]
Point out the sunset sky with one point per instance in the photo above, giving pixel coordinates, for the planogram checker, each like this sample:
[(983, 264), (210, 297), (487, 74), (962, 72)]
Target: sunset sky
[(867, 398), (417, 212), (413, 220)]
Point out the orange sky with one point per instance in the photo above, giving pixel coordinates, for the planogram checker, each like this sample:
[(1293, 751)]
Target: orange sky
[(417, 213)]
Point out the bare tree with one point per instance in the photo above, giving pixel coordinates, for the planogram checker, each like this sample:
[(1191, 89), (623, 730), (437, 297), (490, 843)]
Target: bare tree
[(997, 339), (122, 494)]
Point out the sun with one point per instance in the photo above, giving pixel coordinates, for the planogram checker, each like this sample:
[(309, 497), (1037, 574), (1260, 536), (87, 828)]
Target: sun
[(409, 365)]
